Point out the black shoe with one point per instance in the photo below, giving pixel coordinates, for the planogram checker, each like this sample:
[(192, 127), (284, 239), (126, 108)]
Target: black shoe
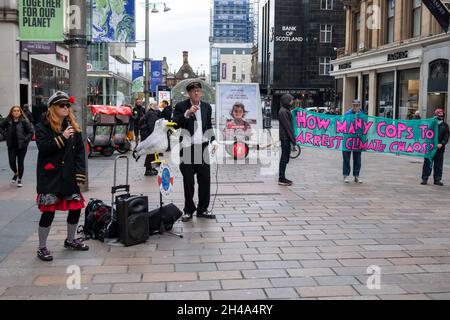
[(284, 182), (134, 154), (76, 245), (44, 254), (186, 217), (438, 183), (206, 215), (424, 182)]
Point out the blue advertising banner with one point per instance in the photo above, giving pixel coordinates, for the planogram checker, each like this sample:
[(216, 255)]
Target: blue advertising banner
[(156, 75), (137, 76), (113, 21)]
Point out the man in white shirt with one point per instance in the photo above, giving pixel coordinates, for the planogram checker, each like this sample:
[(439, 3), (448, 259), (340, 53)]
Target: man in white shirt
[(194, 116)]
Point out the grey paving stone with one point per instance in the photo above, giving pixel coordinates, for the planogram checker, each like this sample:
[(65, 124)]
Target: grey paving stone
[(264, 273), (188, 267), (236, 265), (250, 294), (293, 282), (194, 285), (281, 293)]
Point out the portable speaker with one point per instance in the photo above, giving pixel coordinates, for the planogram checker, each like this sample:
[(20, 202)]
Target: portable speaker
[(162, 219), (132, 216)]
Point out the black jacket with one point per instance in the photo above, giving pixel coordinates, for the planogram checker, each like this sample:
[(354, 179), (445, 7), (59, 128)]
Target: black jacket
[(444, 134), (166, 113), (189, 123), (60, 162), (138, 113), (24, 132), (151, 116), (286, 126)]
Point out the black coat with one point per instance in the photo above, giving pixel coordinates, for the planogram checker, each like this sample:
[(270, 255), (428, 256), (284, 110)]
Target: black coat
[(138, 113), (286, 126), (61, 162), (148, 125), (24, 132), (189, 123), (444, 134), (166, 113)]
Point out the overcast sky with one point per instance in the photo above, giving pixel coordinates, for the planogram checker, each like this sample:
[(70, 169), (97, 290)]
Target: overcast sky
[(185, 27)]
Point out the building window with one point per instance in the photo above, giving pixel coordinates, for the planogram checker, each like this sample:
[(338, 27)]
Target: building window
[(357, 31), (409, 85), (326, 31), (385, 106), (324, 66), (390, 21), (326, 4), (416, 17)]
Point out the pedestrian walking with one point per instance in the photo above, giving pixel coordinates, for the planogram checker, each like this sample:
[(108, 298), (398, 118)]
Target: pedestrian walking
[(438, 159), (194, 117), (138, 114), (286, 137), (60, 171), (27, 113), (148, 125), (18, 132), (356, 109)]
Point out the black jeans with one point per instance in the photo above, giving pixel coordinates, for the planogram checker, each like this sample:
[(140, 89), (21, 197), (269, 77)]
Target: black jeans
[(195, 161), (16, 160), (438, 162), (284, 159), (356, 163)]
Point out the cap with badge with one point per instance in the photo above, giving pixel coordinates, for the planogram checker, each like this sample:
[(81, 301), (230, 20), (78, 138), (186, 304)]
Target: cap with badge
[(193, 85), (60, 97)]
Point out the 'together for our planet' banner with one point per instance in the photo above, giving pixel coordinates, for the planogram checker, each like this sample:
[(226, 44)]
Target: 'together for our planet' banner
[(360, 132)]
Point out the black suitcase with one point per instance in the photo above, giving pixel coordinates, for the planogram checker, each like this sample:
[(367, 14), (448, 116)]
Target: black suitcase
[(162, 219)]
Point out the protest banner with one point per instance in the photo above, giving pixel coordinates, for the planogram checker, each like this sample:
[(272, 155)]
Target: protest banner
[(360, 132)]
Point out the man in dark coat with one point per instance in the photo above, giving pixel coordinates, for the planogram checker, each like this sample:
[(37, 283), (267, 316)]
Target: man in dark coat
[(438, 158), (138, 114), (194, 117), (286, 137)]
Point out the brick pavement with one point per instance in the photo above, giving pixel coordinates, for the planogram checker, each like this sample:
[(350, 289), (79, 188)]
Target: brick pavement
[(315, 239)]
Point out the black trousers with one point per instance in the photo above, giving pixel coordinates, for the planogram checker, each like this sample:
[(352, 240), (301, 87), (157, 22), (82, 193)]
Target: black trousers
[(16, 159), (284, 160), (356, 163), (195, 161), (438, 162), (137, 135), (148, 161)]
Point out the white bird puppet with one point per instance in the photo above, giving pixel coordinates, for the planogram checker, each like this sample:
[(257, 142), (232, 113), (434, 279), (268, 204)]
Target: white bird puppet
[(156, 142)]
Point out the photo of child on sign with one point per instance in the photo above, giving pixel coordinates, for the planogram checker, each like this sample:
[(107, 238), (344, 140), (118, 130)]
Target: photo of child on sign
[(237, 108), (237, 127)]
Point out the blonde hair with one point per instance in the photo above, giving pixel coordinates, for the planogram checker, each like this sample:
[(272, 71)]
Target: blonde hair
[(56, 122)]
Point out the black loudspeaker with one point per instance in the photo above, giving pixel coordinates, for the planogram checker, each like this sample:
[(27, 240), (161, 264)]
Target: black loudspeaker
[(132, 216), (162, 219)]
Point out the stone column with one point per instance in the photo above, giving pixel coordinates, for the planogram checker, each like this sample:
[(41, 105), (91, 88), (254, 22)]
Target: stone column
[(9, 56), (348, 31), (363, 36), (373, 91)]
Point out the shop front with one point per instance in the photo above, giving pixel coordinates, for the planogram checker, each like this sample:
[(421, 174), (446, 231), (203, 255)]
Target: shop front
[(107, 88), (397, 81)]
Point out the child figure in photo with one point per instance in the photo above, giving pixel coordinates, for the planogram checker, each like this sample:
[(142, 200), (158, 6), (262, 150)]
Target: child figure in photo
[(237, 127)]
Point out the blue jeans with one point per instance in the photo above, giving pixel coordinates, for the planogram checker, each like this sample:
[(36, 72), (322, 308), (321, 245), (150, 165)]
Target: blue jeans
[(356, 162)]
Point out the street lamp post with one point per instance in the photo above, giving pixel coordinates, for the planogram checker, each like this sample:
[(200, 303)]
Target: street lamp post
[(147, 46)]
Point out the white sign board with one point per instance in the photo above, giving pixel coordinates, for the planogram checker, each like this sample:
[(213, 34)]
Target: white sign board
[(238, 111), (164, 95)]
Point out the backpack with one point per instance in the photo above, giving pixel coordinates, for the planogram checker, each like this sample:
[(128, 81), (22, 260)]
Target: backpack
[(97, 221)]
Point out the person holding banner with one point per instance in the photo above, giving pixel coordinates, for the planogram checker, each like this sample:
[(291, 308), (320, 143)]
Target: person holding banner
[(438, 159), (286, 137), (194, 117), (356, 109)]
